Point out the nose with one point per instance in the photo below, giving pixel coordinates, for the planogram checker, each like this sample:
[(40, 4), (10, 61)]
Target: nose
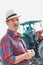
[(16, 22)]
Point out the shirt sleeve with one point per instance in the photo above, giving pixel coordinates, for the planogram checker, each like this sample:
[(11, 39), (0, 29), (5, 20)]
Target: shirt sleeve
[(0, 51), (8, 53)]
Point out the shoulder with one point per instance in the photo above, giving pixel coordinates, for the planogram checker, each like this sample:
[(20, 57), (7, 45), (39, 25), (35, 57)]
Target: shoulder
[(6, 40), (5, 37)]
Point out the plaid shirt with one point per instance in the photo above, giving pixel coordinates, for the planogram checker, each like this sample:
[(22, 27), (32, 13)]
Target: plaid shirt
[(12, 46), (0, 50)]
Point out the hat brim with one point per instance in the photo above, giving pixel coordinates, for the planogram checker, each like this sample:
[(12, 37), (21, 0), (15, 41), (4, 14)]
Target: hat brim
[(12, 17)]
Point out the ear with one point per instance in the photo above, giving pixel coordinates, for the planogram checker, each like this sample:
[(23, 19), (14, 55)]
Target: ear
[(7, 23)]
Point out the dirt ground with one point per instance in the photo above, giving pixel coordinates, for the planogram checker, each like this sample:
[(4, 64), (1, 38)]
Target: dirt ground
[(37, 61), (0, 63)]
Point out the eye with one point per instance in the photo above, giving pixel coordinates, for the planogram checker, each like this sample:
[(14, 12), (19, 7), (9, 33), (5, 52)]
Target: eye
[(12, 19), (17, 19)]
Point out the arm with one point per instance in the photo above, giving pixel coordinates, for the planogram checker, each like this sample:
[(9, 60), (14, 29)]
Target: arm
[(7, 51), (9, 56), (27, 55), (20, 58)]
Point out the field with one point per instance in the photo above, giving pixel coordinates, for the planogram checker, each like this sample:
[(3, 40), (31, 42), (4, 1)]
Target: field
[(37, 61)]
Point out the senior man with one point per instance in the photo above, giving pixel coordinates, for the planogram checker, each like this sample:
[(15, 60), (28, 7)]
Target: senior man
[(14, 51)]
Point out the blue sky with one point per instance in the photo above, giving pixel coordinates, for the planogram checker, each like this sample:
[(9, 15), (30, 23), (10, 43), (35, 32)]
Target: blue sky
[(28, 9)]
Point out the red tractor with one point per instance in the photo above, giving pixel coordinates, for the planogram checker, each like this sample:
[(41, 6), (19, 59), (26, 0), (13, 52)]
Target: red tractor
[(32, 34), (40, 42)]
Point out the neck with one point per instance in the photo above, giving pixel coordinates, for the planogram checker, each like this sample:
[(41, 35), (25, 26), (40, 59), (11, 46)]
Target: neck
[(14, 31)]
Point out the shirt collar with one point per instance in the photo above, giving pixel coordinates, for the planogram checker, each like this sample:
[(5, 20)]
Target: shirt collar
[(10, 32)]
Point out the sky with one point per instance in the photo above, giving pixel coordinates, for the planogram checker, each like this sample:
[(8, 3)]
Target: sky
[(28, 9)]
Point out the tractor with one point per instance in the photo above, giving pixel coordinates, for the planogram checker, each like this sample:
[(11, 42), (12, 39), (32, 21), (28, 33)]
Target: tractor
[(32, 34)]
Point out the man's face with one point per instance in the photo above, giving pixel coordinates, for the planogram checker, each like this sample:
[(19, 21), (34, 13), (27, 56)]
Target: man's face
[(13, 23)]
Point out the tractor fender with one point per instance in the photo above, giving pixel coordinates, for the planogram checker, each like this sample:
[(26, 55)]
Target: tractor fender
[(40, 49)]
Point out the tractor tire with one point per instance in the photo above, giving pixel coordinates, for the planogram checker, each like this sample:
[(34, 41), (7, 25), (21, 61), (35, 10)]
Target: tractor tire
[(40, 49)]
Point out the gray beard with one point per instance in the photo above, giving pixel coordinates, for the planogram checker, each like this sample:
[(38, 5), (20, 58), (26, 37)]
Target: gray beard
[(13, 29)]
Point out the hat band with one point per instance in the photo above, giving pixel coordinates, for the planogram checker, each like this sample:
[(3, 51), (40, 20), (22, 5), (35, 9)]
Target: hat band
[(11, 16)]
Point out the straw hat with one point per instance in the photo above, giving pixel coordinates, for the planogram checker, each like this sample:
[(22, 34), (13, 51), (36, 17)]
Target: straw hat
[(11, 14)]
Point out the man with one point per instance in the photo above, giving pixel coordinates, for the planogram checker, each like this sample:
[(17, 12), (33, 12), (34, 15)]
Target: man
[(14, 51)]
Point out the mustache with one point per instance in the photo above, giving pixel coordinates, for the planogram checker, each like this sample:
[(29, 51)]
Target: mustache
[(16, 24)]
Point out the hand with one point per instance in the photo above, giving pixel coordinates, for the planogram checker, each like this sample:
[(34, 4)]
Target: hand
[(33, 52), (28, 54)]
